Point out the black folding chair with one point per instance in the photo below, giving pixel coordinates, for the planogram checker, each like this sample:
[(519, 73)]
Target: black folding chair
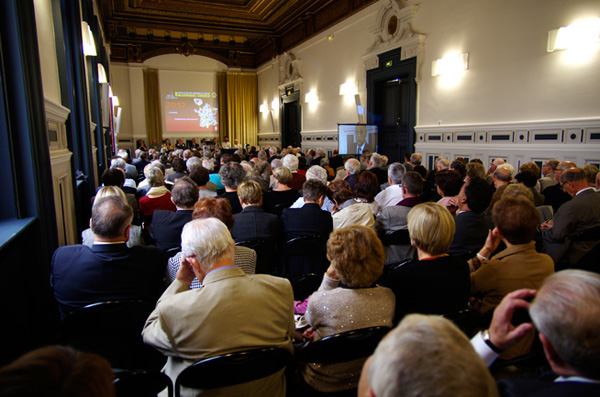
[(267, 255), (232, 369), (113, 330), (303, 255), (141, 383)]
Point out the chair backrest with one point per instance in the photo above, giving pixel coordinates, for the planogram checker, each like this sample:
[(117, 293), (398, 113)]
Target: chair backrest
[(467, 320), (304, 285), (113, 330), (342, 347), (141, 383), (303, 255), (172, 251), (397, 237), (266, 255), (232, 369)]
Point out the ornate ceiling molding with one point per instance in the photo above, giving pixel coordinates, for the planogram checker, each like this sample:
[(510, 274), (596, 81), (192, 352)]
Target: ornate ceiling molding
[(244, 33)]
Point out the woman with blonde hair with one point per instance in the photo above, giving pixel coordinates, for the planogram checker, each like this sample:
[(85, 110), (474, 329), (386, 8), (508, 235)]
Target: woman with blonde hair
[(357, 258), (436, 283), (282, 196)]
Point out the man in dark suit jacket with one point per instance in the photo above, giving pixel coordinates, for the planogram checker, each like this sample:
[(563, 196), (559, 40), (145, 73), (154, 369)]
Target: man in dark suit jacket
[(166, 226), (577, 215), (472, 226), (253, 223), (310, 219), (109, 270)]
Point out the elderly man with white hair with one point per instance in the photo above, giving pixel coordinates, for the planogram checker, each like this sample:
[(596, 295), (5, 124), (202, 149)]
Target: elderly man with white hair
[(317, 173), (353, 168), (426, 356), (291, 162), (231, 312), (392, 194)]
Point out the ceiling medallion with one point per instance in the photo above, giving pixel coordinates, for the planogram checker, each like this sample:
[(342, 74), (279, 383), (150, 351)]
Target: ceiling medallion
[(186, 49)]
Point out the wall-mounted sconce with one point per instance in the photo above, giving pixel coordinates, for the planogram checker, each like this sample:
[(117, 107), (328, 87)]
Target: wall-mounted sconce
[(311, 97), (89, 46), (102, 74), (579, 35), (450, 64), (275, 104), (350, 87), (115, 101), (330, 37), (264, 108)]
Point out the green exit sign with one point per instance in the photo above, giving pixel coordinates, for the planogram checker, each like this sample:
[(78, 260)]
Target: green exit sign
[(389, 64)]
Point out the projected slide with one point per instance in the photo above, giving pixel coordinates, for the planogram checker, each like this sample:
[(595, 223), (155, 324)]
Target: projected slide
[(191, 111)]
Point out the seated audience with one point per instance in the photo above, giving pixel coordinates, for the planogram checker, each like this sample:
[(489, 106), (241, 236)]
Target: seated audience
[(555, 195), (316, 173), (310, 219), (179, 169), (231, 312), (392, 194), (166, 225), (472, 226), (365, 189), (475, 170), (518, 266), (502, 177), (356, 256), (57, 371), (529, 179), (590, 171), (347, 211), (253, 223), (579, 214), (282, 196), (210, 207), (426, 356), (232, 174), (449, 183), (120, 164), (116, 177), (437, 283), (201, 177), (109, 270), (135, 232), (375, 164), (353, 168), (393, 217), (548, 177), (290, 161), (158, 197)]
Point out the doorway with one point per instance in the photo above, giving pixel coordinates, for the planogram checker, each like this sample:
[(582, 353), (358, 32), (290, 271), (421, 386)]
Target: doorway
[(291, 116), (392, 97)]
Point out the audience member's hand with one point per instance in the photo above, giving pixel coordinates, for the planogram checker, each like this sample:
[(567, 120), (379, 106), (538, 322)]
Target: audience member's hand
[(452, 205), (309, 334), (185, 274), (331, 273), (491, 243), (547, 224), (502, 333)]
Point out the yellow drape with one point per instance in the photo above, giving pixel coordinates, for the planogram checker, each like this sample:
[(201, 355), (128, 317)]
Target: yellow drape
[(238, 107), (153, 110)]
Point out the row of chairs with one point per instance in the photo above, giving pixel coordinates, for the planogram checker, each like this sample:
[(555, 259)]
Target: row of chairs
[(113, 330)]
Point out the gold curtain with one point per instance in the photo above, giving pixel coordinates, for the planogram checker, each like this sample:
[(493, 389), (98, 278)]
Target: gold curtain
[(152, 102), (238, 107)]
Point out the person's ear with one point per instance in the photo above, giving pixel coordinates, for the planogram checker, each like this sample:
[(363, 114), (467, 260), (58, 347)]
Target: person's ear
[(173, 201), (127, 231), (90, 223)]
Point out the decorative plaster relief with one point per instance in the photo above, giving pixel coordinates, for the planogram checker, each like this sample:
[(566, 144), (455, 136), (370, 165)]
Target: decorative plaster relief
[(393, 29)]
